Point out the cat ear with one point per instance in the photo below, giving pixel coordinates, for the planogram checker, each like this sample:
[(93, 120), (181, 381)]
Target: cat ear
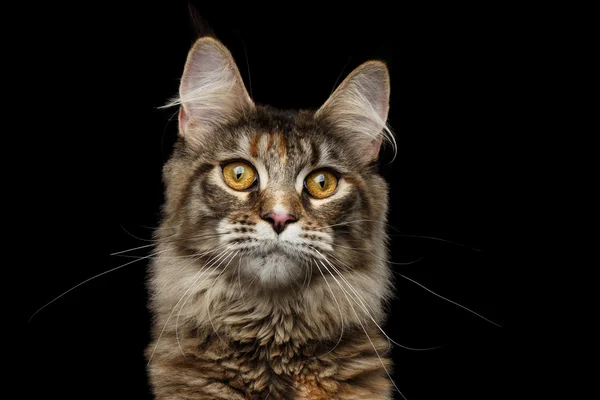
[(212, 92), (359, 108)]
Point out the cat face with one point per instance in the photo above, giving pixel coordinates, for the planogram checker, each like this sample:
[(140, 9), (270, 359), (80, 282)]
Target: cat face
[(279, 191)]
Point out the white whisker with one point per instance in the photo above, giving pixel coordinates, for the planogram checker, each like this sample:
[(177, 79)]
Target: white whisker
[(364, 329), (436, 238), (239, 270), (399, 234), (375, 255), (220, 260), (339, 309), (348, 223), (208, 306), (364, 306), (85, 281), (133, 249), (450, 301), (187, 265), (197, 276)]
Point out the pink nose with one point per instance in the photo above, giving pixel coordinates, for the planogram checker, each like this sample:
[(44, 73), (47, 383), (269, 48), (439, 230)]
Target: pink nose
[(279, 220)]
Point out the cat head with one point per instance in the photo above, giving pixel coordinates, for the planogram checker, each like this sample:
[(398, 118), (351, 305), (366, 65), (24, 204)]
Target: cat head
[(284, 192)]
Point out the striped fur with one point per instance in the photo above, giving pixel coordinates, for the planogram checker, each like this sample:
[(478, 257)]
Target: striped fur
[(239, 311)]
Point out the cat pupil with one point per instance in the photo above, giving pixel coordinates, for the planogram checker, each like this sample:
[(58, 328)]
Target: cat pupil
[(321, 180), (239, 170)]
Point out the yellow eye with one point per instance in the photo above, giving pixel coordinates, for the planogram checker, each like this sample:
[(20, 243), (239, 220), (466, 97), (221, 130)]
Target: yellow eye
[(239, 175), (321, 183)]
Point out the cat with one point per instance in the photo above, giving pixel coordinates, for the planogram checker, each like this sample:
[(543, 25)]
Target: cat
[(271, 274)]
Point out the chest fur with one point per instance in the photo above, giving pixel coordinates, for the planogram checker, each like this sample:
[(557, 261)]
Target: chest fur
[(311, 371)]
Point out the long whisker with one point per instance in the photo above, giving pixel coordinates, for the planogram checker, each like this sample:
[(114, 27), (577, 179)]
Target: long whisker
[(355, 222), (174, 257), (364, 306), (196, 277), (339, 309), (165, 239), (133, 236), (133, 249), (364, 330), (239, 270), (429, 290), (85, 281), (448, 300), (187, 265), (128, 256), (399, 235), (375, 255), (436, 238), (208, 307), (255, 275), (305, 275), (219, 259)]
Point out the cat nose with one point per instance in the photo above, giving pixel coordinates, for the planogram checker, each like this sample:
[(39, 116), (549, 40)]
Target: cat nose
[(279, 220)]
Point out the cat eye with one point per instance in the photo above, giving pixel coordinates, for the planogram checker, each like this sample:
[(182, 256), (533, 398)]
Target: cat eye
[(239, 175), (321, 183)]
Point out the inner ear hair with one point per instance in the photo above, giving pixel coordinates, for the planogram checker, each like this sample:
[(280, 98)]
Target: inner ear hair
[(211, 93), (359, 108)]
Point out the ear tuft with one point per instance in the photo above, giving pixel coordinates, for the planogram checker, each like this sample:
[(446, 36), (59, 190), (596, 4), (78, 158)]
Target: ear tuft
[(212, 92), (359, 108)]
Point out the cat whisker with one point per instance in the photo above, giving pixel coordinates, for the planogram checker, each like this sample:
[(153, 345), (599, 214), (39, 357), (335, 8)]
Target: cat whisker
[(175, 257), (244, 252), (297, 284), (175, 240), (208, 306), (152, 254), (136, 257), (364, 306), (251, 280), (239, 274), (398, 234), (220, 260), (187, 265), (310, 274), (436, 238), (432, 292), (364, 330), (376, 256), (196, 277), (84, 282), (152, 228), (306, 275), (403, 263), (339, 309), (355, 222), (133, 249), (448, 300), (133, 236), (202, 236)]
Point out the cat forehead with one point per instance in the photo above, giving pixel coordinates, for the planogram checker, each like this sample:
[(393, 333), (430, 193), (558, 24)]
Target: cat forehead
[(285, 141), (283, 154)]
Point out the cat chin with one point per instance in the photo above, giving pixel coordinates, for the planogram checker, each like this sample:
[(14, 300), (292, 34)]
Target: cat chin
[(275, 269)]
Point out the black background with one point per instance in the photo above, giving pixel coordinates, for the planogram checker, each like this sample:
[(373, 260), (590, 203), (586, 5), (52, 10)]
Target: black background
[(97, 142)]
